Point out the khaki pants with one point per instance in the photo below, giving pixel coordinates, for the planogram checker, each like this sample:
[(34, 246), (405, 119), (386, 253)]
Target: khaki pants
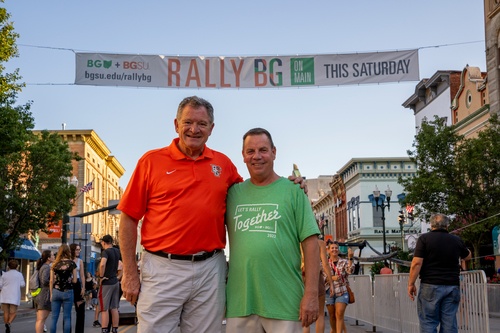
[(181, 293), (257, 324)]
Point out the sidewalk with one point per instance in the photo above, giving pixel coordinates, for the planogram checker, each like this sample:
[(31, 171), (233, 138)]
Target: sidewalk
[(26, 309)]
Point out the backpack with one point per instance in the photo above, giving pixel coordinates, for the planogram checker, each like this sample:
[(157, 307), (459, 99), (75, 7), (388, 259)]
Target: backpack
[(34, 284)]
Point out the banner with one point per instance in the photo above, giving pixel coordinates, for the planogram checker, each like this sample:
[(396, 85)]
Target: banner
[(159, 71), (55, 229)]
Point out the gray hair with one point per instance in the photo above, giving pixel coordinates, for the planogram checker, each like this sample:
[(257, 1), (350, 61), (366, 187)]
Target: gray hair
[(439, 221), (196, 102)]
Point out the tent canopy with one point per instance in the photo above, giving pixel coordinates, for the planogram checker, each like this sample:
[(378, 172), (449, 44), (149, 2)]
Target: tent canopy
[(27, 250)]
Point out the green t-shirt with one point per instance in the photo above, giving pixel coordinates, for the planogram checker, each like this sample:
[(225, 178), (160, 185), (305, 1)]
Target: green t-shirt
[(266, 225)]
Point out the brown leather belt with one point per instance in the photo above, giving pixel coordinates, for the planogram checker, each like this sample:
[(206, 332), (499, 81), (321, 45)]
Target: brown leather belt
[(190, 257)]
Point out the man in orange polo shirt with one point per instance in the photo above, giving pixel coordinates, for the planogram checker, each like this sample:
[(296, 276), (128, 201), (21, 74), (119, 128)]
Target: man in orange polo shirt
[(180, 193)]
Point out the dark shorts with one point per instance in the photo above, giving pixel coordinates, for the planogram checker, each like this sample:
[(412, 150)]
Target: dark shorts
[(109, 296)]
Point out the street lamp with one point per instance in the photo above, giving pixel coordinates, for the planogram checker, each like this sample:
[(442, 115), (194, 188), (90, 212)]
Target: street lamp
[(64, 237), (382, 205)]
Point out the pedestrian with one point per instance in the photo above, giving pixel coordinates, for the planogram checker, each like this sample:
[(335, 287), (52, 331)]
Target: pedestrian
[(78, 289), (95, 304), (338, 299), (436, 260), (119, 275), (62, 278), (89, 285), (386, 269), (42, 300), (11, 283), (172, 188), (179, 193), (268, 220), (109, 291)]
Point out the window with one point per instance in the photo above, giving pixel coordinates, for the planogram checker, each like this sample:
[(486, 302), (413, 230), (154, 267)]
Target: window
[(468, 99)]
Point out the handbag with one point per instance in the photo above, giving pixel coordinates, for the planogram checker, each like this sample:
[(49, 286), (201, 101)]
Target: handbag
[(351, 295)]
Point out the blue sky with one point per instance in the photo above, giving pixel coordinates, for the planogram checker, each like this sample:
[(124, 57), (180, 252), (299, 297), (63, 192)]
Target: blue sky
[(320, 129)]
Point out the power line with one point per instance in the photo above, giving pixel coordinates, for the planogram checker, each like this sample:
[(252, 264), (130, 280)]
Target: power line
[(453, 44), (418, 48), (470, 225), (47, 47)]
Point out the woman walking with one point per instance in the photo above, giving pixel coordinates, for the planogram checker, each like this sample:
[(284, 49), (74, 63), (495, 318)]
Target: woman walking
[(11, 283), (78, 289), (336, 304), (42, 300), (62, 278)]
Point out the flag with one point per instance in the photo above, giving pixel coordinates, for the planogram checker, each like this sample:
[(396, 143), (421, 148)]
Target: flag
[(86, 188), (322, 222)]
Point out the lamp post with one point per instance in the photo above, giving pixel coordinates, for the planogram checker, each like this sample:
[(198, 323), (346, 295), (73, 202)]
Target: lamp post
[(382, 205), (64, 237)]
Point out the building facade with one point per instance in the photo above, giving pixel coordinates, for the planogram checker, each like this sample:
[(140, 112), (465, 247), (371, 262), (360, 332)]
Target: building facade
[(354, 185), (470, 107), (434, 96), (492, 39), (460, 97), (100, 172)]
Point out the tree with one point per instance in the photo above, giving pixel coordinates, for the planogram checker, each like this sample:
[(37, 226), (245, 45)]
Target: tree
[(458, 177), (475, 199), (435, 156), (9, 85), (33, 169)]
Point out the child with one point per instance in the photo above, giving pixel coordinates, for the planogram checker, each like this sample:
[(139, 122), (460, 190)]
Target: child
[(95, 304)]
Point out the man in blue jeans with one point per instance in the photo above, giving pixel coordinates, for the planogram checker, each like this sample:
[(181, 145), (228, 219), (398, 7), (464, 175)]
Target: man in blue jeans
[(437, 259)]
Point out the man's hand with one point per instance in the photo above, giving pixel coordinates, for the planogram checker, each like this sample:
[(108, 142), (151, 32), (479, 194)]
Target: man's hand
[(309, 309), (131, 286), (412, 291), (299, 180)]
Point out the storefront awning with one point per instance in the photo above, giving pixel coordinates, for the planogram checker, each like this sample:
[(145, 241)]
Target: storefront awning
[(27, 250)]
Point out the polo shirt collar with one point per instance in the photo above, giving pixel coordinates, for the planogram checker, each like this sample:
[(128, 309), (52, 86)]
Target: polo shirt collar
[(176, 154)]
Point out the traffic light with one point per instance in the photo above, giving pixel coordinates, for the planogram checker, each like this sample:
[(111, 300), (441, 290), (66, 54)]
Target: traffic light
[(401, 217), (410, 216)]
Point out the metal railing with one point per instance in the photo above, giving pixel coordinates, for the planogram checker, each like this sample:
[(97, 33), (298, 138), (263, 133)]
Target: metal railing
[(383, 303)]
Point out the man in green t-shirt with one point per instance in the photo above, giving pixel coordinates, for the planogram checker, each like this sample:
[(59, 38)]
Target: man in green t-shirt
[(269, 218)]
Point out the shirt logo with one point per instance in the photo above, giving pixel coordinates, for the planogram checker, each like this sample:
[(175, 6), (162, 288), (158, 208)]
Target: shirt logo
[(256, 218), (170, 172), (216, 170)]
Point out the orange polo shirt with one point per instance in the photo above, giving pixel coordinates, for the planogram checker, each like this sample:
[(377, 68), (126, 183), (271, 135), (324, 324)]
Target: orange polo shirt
[(182, 201)]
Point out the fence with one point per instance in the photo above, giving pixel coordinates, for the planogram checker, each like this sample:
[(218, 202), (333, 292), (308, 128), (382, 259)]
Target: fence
[(383, 302), (493, 291)]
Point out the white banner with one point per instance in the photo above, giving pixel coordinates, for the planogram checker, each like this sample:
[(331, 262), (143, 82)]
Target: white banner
[(103, 69)]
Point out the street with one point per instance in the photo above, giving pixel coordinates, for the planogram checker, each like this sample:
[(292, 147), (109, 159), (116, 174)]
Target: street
[(25, 322)]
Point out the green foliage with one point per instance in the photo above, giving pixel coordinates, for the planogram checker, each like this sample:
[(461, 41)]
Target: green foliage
[(8, 49), (434, 155), (33, 169), (406, 256), (376, 267), (457, 176)]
